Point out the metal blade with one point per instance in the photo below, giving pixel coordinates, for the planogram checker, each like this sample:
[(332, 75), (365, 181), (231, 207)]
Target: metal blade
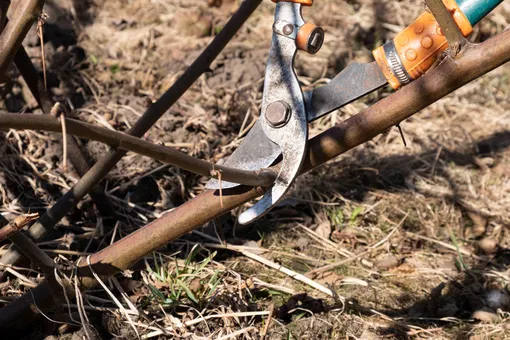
[(354, 82), (255, 152), (283, 93)]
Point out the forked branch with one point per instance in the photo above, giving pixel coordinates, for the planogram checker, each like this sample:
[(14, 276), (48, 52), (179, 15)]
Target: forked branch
[(24, 15)]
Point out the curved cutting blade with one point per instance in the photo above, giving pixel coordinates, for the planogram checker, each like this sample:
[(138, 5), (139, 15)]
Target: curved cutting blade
[(281, 85), (255, 152)]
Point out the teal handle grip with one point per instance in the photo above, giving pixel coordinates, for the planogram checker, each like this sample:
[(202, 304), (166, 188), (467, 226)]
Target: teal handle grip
[(475, 10)]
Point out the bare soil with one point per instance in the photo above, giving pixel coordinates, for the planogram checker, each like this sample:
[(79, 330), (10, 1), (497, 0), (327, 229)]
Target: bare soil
[(419, 234)]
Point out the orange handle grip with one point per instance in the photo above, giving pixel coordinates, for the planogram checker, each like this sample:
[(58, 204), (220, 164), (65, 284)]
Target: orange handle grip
[(413, 51), (302, 2)]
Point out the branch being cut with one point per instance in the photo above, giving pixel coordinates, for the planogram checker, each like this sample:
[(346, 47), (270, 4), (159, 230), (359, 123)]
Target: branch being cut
[(119, 140), (149, 118), (451, 74)]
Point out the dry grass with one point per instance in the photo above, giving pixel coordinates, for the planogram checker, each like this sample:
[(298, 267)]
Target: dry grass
[(403, 237)]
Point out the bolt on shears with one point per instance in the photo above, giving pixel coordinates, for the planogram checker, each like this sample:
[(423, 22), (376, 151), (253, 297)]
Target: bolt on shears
[(282, 128)]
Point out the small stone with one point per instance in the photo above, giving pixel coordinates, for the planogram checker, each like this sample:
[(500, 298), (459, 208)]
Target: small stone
[(324, 229), (195, 285), (108, 116), (488, 245), (489, 161), (368, 335), (387, 263), (367, 263), (497, 299), (485, 315), (479, 224)]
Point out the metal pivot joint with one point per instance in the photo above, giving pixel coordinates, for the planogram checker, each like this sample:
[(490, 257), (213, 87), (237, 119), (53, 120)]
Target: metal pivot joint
[(278, 113), (283, 118), (308, 37)]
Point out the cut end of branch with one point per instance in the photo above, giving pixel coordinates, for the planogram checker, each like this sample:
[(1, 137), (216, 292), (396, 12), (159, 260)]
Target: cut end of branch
[(16, 225), (22, 220)]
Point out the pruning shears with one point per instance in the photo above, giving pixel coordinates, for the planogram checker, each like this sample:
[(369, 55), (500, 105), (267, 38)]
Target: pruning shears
[(282, 128)]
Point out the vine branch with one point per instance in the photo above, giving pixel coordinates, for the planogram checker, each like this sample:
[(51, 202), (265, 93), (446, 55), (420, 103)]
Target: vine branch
[(23, 16)]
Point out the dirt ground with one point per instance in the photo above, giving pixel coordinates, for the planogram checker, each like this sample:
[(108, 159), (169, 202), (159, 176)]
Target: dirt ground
[(414, 240)]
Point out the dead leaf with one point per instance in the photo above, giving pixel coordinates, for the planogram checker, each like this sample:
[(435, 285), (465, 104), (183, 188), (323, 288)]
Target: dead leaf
[(328, 278), (485, 315), (479, 224), (488, 245), (404, 268), (387, 263), (324, 229)]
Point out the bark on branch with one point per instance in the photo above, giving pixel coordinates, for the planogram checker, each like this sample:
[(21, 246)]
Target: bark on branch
[(24, 15), (451, 74), (119, 140)]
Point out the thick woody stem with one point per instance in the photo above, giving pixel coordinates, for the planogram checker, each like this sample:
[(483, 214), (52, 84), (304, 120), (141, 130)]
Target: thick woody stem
[(12, 231)]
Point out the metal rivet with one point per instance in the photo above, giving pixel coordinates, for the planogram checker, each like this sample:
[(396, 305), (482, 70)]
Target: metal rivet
[(288, 29), (278, 114)]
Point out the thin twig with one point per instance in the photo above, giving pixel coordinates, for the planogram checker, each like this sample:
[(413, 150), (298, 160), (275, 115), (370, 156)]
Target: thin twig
[(56, 111), (217, 174), (268, 322), (463, 251), (40, 27), (263, 177), (289, 272)]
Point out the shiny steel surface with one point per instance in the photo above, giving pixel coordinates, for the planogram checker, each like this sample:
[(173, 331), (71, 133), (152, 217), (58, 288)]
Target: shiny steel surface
[(281, 85)]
